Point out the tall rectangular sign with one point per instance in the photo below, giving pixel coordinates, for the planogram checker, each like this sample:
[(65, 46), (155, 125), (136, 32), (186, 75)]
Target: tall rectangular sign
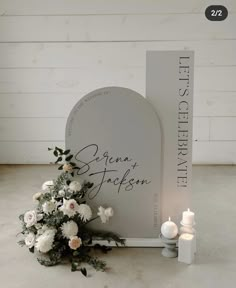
[(169, 88)]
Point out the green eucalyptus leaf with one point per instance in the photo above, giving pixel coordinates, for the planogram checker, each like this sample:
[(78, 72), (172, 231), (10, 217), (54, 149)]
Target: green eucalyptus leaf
[(90, 185), (68, 158), (21, 243), (59, 150), (83, 271), (74, 266), (31, 250), (58, 159), (68, 182)]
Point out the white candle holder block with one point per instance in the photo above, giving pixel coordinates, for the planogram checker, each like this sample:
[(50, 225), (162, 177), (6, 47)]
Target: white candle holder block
[(186, 248), (189, 230)]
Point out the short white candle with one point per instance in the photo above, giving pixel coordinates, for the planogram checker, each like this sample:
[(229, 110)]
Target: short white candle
[(188, 218), (169, 229), (186, 248)]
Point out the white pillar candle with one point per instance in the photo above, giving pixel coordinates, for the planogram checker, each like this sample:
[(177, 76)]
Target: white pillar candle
[(188, 218), (169, 229), (186, 248)]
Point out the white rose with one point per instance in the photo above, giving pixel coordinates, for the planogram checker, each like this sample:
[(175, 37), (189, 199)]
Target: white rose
[(75, 242), (30, 240), (75, 186), (67, 167), (30, 218), (46, 185)]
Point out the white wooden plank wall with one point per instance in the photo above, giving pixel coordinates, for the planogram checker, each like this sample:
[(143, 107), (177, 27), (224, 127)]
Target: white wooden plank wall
[(53, 52)]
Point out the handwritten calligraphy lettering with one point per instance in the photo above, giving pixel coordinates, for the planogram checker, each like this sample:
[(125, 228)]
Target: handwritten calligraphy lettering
[(108, 174)]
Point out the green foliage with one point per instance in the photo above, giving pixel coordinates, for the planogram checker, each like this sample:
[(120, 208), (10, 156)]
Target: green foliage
[(63, 154), (97, 264), (55, 220), (68, 158), (23, 225), (45, 197), (104, 249), (82, 256), (58, 159), (21, 243), (109, 236), (31, 249), (74, 266), (60, 183), (83, 271)]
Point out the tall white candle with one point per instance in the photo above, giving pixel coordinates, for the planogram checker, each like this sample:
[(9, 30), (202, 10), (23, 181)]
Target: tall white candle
[(186, 248), (188, 218)]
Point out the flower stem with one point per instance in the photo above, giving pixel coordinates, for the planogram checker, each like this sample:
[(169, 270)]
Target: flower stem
[(92, 219)]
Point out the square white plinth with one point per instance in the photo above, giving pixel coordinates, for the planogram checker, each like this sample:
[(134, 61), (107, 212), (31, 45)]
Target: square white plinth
[(186, 248)]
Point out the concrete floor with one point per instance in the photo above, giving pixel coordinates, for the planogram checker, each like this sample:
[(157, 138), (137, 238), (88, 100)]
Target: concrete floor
[(214, 201)]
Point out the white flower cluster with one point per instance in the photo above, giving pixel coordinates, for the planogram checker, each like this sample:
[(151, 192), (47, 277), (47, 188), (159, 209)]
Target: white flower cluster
[(41, 236), (58, 228)]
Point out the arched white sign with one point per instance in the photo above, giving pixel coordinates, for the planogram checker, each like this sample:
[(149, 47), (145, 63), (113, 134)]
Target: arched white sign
[(115, 136)]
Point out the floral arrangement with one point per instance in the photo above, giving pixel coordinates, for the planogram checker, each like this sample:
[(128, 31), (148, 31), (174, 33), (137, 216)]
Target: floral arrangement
[(56, 229)]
